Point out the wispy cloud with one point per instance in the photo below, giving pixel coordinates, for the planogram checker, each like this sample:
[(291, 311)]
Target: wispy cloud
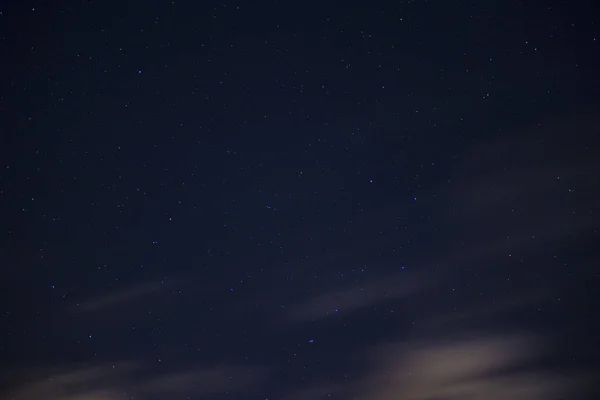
[(205, 381), (134, 380), (525, 191), (497, 368), (353, 297), (124, 297), (75, 382)]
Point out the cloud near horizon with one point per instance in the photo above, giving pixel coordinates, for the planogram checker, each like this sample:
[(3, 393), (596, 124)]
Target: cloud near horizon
[(135, 380)]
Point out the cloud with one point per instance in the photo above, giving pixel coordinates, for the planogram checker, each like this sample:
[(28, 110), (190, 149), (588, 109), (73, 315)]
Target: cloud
[(77, 382), (353, 297), (204, 381), (501, 367), (525, 191), (135, 380), (315, 392), (477, 311), (496, 367), (124, 297)]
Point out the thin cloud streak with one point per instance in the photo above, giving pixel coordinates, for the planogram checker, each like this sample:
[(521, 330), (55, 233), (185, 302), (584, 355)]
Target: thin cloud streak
[(132, 380), (352, 298), (124, 297)]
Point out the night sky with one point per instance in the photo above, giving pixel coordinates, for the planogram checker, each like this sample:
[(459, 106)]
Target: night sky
[(298, 200)]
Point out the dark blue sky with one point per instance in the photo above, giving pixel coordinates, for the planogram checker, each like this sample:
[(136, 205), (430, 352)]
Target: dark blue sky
[(299, 200)]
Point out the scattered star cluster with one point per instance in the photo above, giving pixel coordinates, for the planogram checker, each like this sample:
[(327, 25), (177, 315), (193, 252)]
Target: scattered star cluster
[(299, 200)]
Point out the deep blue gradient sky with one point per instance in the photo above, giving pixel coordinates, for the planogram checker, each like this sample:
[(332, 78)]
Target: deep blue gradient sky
[(299, 200)]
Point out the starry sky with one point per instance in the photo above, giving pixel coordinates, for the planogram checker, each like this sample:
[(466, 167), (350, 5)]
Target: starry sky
[(285, 200)]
